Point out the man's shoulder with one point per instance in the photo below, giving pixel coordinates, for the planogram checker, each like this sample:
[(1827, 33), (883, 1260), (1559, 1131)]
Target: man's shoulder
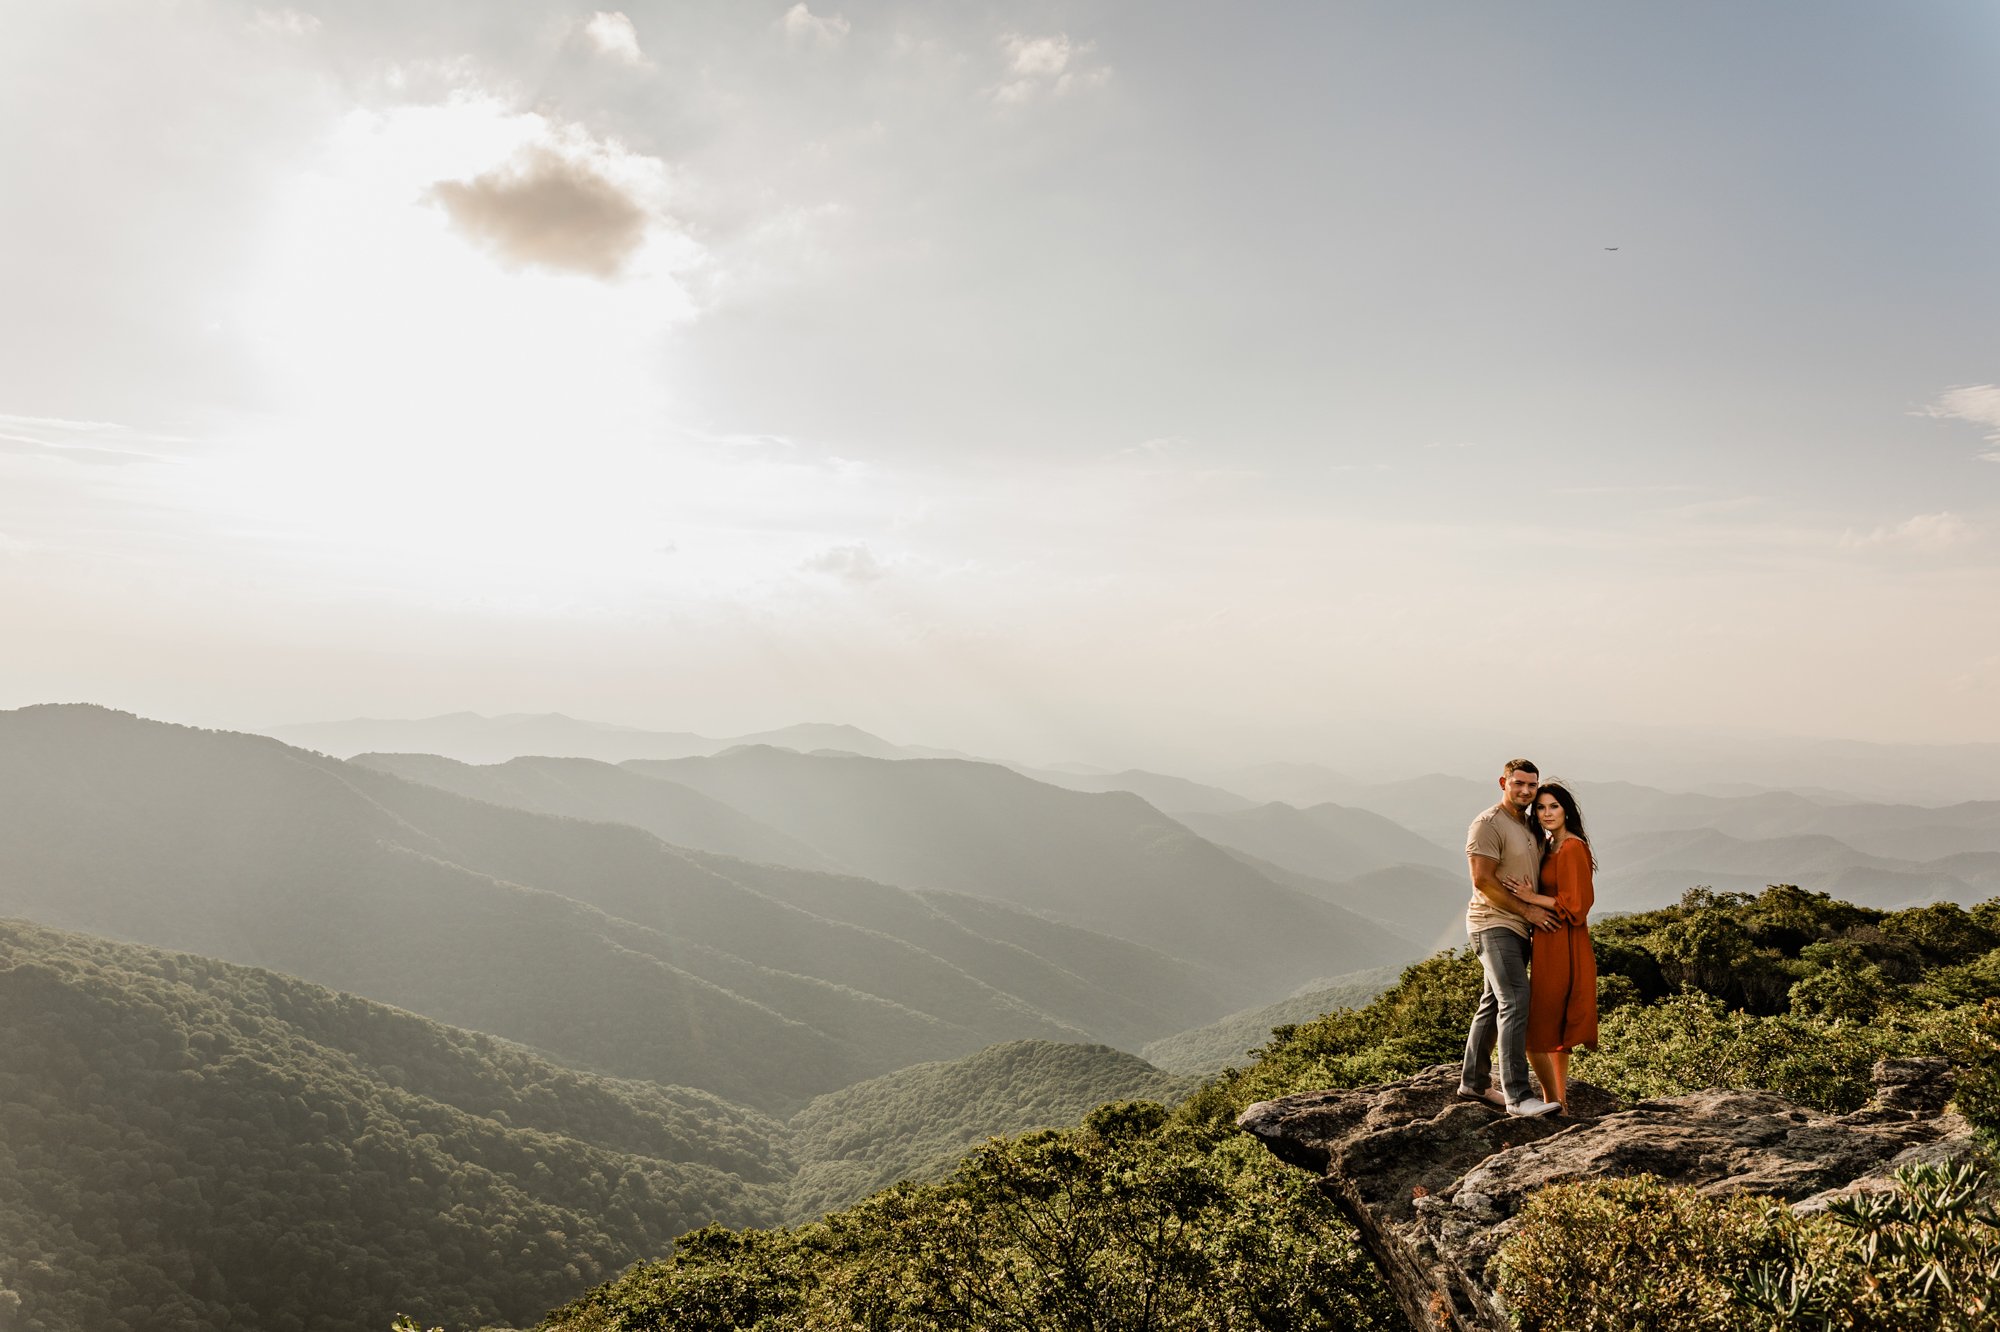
[(1484, 829)]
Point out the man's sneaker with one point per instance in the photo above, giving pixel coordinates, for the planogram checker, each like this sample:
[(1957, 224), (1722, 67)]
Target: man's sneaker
[(1490, 1094), (1532, 1108)]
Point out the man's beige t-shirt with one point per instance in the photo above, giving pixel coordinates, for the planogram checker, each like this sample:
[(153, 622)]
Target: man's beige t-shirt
[(1500, 836)]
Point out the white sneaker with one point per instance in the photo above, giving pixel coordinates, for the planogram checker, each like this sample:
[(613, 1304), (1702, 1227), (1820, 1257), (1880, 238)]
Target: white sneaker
[(1532, 1108), (1490, 1094)]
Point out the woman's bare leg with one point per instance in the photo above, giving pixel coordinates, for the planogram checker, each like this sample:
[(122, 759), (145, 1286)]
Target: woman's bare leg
[(1545, 1073), (1559, 1066)]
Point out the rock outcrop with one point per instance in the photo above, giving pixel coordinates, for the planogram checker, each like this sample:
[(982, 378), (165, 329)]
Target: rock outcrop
[(1434, 1181)]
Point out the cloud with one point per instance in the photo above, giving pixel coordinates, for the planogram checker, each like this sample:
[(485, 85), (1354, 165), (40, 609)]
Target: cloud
[(90, 442), (1978, 404), (1674, 488), (1718, 507), (853, 563), (284, 22), (1040, 56), (1051, 66), (802, 25), (548, 211), (1158, 448), (1924, 532), (614, 37), (76, 453)]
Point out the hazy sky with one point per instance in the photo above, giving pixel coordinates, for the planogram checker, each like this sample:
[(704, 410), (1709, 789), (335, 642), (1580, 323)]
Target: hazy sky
[(1058, 379)]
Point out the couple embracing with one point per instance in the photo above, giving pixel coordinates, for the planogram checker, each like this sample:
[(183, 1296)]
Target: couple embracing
[(1531, 898)]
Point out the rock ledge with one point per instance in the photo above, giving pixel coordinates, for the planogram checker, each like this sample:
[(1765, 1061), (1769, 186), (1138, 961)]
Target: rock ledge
[(1433, 1180)]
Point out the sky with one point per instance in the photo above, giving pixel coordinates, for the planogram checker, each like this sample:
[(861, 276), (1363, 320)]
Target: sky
[(1112, 382)]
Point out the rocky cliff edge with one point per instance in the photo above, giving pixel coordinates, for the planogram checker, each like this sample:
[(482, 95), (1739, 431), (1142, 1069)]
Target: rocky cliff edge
[(1434, 1181)]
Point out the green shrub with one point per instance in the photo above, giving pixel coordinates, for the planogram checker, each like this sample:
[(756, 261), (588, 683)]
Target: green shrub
[(1132, 1220), (1843, 985), (1419, 1021), (1615, 992), (1787, 917), (1944, 933), (1627, 962), (1978, 1092), (1691, 1041), (1971, 982), (1635, 1255), (1710, 950), (1923, 1255)]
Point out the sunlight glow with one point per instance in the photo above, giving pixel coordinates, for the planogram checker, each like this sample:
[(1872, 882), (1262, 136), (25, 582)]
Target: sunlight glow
[(434, 407)]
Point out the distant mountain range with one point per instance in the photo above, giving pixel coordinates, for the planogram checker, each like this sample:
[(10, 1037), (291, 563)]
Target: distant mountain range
[(1414, 901), (589, 789), (1173, 795), (1888, 854), (1652, 845), (1106, 862), (1804, 790), (1324, 838), (472, 738), (1021, 911), (1668, 757), (594, 942)]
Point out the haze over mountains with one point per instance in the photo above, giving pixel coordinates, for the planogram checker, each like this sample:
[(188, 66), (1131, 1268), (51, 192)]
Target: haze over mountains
[(835, 961), (661, 1033), (472, 738), (606, 947), (1668, 759), (1392, 850)]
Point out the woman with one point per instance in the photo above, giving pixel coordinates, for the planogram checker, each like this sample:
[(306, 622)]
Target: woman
[(1562, 981)]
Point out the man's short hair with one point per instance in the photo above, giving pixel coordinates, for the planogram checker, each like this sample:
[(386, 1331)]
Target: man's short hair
[(1520, 765)]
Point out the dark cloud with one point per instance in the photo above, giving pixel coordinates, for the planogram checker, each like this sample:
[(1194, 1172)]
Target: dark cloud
[(547, 211)]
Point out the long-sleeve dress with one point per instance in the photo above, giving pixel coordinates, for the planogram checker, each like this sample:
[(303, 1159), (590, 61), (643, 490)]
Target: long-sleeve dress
[(1562, 987)]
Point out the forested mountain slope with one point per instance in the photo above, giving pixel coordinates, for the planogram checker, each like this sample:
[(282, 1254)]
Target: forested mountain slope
[(1654, 867), (1327, 841), (587, 789), (1230, 1041), (594, 942), (1163, 791), (1107, 862), (187, 1145), (1154, 1220), (917, 1122), (1120, 991)]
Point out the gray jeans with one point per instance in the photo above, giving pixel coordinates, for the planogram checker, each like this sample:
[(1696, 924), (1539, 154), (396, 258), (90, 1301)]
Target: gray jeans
[(1502, 1014)]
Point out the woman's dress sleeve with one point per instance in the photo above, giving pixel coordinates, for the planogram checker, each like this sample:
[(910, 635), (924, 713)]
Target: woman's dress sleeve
[(1575, 894)]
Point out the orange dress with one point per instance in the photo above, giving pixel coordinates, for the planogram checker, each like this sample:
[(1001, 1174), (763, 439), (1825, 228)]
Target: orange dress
[(1562, 985)]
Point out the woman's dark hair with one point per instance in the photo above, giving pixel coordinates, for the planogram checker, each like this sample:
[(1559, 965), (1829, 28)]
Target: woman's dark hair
[(1572, 817)]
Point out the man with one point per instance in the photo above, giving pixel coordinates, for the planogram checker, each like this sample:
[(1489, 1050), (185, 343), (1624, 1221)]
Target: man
[(1501, 849)]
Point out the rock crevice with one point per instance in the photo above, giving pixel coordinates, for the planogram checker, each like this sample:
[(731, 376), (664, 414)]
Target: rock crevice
[(1435, 1181)]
